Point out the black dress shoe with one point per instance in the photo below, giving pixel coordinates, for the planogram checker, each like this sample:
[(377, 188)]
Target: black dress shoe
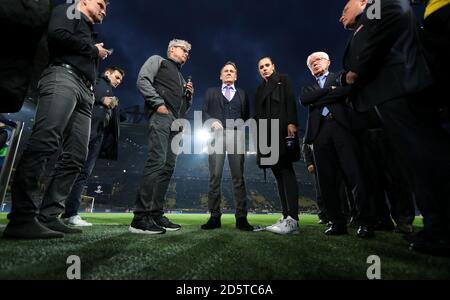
[(32, 230), (336, 229), (59, 226), (365, 232), (243, 225), (213, 223)]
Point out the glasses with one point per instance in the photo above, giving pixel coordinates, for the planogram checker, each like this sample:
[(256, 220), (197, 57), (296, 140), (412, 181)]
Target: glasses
[(184, 49)]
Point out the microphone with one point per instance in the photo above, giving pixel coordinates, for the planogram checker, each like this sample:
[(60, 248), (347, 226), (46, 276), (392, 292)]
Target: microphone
[(188, 93)]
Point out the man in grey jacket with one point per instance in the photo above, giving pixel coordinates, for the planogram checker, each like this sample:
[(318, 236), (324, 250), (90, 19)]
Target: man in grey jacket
[(167, 98)]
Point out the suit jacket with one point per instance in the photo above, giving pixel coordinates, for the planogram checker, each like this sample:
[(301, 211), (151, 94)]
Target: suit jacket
[(213, 107), (317, 98), (100, 116), (387, 55), (275, 100)]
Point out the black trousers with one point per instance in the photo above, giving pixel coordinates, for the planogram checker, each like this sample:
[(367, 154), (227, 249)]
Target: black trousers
[(63, 119), (336, 150), (322, 210), (389, 188), (287, 188), (345, 196), (159, 167), (422, 148)]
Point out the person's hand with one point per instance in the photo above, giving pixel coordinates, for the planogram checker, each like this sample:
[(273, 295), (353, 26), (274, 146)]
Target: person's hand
[(217, 126), (190, 88), (292, 130), (312, 169), (351, 77), (108, 102), (163, 110), (102, 52)]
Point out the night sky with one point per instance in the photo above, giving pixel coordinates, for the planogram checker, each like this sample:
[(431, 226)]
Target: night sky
[(237, 30)]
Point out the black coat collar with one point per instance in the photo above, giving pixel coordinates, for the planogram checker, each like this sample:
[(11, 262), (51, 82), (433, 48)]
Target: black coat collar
[(267, 87)]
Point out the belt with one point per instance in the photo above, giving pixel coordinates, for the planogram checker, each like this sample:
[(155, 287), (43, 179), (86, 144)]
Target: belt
[(72, 70)]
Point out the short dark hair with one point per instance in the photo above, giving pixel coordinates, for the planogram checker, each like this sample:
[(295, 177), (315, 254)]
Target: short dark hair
[(112, 69), (229, 63)]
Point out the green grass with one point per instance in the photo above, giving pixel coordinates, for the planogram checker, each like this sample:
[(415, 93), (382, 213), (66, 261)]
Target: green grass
[(108, 251)]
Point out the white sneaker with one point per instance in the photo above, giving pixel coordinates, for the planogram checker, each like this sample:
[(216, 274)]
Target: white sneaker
[(276, 225), (286, 226), (77, 222)]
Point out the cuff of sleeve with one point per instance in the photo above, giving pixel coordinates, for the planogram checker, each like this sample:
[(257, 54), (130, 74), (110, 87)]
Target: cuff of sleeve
[(95, 52), (157, 105)]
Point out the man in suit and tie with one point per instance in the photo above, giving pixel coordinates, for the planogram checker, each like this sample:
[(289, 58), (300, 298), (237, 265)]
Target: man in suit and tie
[(335, 147), (223, 106), (386, 65)]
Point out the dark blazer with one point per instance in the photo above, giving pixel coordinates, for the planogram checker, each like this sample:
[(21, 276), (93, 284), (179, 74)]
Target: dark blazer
[(213, 105), (111, 132), (387, 55), (316, 99), (275, 100)]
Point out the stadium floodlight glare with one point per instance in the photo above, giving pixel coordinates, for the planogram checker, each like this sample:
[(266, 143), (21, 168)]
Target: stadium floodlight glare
[(203, 136)]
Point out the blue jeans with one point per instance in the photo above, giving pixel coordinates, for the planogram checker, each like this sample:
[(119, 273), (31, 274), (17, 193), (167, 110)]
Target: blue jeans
[(74, 200)]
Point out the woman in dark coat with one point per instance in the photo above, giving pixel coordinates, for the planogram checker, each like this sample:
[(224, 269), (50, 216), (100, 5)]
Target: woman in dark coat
[(275, 100)]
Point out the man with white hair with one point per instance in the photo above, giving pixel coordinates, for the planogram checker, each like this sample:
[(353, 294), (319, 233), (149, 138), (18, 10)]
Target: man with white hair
[(167, 98), (329, 130)]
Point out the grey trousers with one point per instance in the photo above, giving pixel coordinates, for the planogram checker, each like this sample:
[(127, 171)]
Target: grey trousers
[(63, 120), (159, 167), (229, 146)]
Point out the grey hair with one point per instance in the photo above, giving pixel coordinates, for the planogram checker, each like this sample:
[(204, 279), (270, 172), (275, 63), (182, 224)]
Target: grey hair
[(181, 43), (319, 54)]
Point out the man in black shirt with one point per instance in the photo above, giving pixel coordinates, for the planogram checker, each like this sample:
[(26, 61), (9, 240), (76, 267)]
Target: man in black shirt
[(167, 98), (63, 118)]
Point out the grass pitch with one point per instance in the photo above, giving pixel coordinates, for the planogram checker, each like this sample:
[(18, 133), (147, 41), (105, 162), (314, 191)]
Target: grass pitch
[(108, 251)]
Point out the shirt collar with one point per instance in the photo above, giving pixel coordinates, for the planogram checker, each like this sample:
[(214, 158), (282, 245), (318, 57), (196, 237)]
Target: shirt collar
[(324, 76), (233, 88)]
